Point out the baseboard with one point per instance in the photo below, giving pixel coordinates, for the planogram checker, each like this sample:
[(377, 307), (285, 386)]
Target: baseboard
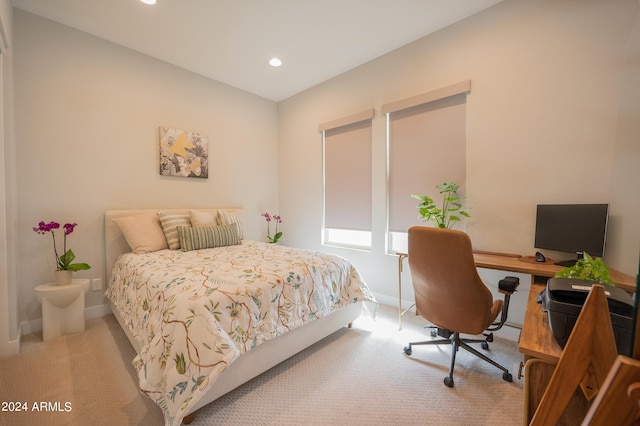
[(391, 300), (28, 327), (97, 311), (13, 346), (508, 331)]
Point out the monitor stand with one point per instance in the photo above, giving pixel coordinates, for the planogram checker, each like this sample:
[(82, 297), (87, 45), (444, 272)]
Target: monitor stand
[(566, 263), (569, 263)]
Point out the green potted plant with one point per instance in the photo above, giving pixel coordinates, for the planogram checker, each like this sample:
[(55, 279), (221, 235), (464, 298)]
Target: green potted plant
[(588, 269), (451, 210)]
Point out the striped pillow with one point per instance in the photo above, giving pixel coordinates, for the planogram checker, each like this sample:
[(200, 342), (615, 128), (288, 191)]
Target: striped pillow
[(228, 216), (201, 237), (170, 222)]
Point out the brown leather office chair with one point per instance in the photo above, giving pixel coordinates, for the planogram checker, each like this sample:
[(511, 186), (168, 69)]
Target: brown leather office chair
[(450, 294)]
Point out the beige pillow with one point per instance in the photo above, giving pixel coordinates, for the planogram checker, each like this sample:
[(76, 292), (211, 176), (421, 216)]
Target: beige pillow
[(143, 232), (170, 222), (226, 217), (199, 218)]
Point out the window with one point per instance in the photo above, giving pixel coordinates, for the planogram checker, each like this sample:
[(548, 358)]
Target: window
[(347, 181), (426, 146)]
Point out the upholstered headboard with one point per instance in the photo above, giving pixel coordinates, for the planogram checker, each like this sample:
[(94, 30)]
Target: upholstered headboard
[(115, 242)]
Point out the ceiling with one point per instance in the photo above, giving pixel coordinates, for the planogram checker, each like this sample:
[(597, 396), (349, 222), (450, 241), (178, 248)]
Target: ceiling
[(231, 41)]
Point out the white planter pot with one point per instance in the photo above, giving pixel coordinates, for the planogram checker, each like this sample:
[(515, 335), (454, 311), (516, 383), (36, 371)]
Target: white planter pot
[(63, 277)]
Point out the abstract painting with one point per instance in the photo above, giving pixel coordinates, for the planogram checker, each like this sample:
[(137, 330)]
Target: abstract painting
[(183, 153)]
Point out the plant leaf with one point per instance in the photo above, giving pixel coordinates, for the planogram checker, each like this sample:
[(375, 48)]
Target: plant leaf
[(78, 267)]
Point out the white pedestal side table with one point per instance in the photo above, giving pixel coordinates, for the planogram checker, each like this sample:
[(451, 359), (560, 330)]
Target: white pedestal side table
[(62, 307)]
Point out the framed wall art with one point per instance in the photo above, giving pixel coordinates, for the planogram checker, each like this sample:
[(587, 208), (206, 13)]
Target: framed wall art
[(183, 153)]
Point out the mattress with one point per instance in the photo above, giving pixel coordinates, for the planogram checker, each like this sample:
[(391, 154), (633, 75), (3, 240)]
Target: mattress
[(193, 313)]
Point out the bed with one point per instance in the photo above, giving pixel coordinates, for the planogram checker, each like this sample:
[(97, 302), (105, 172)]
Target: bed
[(217, 310)]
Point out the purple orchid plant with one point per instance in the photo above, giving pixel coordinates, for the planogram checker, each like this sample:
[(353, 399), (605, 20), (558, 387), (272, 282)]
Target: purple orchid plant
[(63, 262), (277, 219)]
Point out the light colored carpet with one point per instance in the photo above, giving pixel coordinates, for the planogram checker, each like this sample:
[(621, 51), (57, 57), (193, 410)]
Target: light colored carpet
[(359, 376)]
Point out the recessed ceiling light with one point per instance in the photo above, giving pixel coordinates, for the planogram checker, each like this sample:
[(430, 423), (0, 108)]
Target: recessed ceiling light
[(148, 1), (275, 62)]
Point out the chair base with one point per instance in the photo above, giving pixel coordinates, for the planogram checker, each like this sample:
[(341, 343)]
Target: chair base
[(457, 342)]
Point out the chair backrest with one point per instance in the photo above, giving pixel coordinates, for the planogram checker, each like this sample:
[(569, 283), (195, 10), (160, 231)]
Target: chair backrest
[(448, 291)]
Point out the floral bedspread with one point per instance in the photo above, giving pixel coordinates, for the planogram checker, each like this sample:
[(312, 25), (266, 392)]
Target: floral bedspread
[(193, 313)]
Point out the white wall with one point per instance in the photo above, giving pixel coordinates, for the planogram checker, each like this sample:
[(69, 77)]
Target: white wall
[(625, 229), (8, 306), (543, 117), (87, 118)]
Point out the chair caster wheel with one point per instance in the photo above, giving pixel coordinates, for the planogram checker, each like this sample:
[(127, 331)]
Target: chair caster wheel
[(448, 381), (407, 350), (484, 345), (507, 377), (433, 333)]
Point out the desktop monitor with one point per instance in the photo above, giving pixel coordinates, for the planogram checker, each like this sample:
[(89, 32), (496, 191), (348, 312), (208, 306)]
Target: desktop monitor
[(572, 228)]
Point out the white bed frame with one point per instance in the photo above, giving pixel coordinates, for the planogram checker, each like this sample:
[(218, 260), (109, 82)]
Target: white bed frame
[(252, 363)]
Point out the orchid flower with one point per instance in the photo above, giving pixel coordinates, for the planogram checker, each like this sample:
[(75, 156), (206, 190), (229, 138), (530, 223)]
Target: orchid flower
[(277, 219), (63, 262)]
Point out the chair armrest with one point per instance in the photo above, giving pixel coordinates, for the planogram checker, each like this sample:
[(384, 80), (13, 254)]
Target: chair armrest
[(508, 284)]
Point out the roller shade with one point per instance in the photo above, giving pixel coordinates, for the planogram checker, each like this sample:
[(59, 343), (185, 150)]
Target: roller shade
[(427, 146), (347, 175)]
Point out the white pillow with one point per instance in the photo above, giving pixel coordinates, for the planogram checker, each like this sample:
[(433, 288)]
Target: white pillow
[(143, 232), (199, 218), (170, 222)]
